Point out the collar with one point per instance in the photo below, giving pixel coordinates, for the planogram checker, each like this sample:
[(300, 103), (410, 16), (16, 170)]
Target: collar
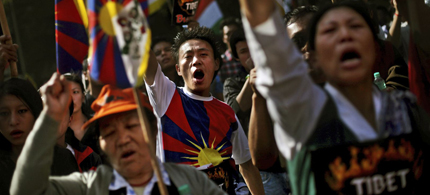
[(352, 118), (196, 97), (119, 182), (228, 55)]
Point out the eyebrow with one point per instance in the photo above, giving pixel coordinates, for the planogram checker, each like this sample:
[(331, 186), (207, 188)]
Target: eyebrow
[(348, 21), (199, 49)]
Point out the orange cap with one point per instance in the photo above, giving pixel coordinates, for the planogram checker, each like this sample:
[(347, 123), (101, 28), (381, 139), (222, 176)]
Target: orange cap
[(114, 100)]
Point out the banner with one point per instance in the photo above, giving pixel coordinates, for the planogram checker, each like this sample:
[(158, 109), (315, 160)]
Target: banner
[(183, 11), (391, 166)]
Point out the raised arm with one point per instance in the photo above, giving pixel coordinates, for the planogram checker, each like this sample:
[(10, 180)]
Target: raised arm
[(261, 139), (152, 69), (32, 171), (394, 32), (293, 100), (257, 11)]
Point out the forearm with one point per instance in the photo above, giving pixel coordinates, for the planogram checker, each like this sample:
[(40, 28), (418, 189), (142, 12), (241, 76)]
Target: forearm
[(394, 32), (152, 69), (261, 139), (244, 99), (252, 177), (32, 171), (257, 11)]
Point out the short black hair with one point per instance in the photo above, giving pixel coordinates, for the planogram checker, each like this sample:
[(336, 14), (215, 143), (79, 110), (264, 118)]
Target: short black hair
[(298, 13), (237, 36), (201, 33), (230, 21), (158, 39), (357, 6)]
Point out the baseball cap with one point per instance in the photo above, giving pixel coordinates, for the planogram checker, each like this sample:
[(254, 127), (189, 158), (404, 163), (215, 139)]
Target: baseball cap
[(113, 100)]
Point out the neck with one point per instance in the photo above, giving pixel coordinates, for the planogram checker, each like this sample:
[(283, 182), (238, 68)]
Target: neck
[(76, 124), (361, 97), (140, 179), (16, 151), (78, 116), (205, 93)]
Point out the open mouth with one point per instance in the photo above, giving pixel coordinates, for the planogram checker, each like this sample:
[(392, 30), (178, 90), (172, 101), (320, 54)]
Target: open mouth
[(127, 154), (199, 74), (351, 55)]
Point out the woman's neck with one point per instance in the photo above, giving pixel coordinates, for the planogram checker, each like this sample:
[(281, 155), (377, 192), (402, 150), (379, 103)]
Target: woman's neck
[(361, 98), (76, 125), (16, 151)]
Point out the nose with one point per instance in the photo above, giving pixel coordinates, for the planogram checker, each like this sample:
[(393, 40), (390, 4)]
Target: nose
[(14, 119), (345, 34), (196, 60), (163, 52), (123, 137)]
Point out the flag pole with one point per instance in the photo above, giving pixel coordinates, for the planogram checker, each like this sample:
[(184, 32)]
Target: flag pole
[(143, 119), (6, 31)]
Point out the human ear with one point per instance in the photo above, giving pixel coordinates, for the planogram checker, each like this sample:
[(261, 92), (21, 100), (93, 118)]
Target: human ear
[(178, 70), (216, 64)]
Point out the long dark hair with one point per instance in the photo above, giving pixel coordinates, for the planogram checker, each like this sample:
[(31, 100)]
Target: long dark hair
[(357, 6), (85, 109), (25, 92)]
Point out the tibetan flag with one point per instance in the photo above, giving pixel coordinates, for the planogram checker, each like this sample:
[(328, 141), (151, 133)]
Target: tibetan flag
[(209, 14), (120, 41), (71, 35)]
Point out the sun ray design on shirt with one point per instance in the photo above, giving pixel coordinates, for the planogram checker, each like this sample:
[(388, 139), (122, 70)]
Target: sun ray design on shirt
[(207, 155)]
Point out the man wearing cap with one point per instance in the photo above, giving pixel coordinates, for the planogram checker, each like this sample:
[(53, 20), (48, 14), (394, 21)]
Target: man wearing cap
[(121, 139)]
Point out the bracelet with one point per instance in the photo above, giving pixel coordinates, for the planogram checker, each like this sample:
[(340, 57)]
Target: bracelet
[(396, 14)]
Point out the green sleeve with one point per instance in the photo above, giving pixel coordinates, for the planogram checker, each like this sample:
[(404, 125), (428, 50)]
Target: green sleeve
[(32, 172)]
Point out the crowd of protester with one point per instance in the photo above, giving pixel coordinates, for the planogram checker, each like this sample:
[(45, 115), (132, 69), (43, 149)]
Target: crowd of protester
[(294, 105)]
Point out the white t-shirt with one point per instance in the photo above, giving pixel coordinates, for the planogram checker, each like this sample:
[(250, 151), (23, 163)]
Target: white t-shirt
[(199, 129)]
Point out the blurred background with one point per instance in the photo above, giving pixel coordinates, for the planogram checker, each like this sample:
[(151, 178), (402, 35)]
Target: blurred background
[(32, 25)]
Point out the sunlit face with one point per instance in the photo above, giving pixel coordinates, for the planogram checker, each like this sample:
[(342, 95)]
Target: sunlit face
[(227, 31), (243, 53), (16, 120), (77, 97), (345, 47), (163, 53), (297, 32), (197, 66), (122, 140)]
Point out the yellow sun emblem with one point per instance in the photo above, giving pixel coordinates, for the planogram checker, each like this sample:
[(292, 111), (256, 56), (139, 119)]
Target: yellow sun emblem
[(207, 155)]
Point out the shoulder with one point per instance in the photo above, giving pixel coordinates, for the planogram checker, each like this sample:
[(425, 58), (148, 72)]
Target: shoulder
[(222, 106), (99, 176)]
